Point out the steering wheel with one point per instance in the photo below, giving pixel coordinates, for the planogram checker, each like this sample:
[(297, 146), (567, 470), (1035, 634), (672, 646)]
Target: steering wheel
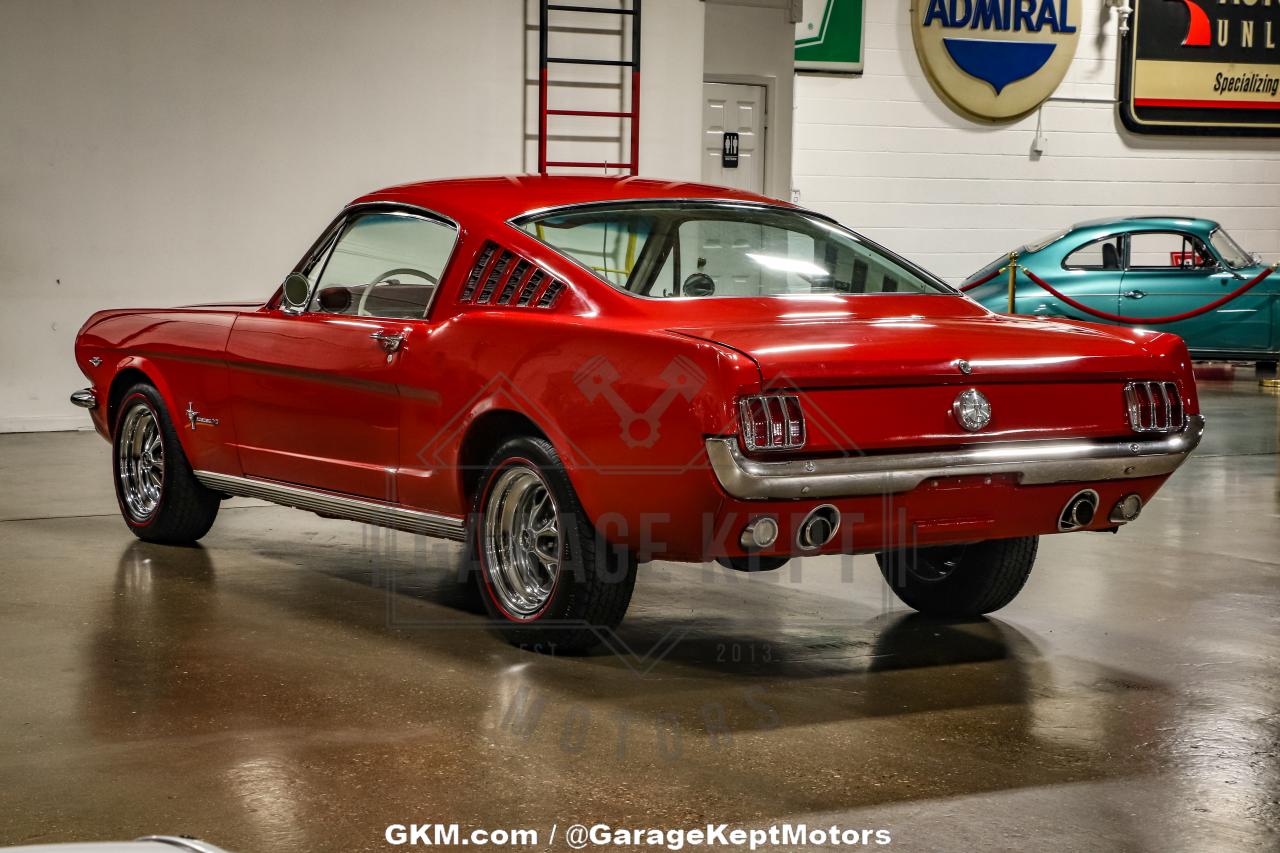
[(364, 297)]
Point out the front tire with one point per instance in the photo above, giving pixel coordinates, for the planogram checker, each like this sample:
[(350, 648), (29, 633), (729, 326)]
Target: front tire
[(546, 577), (159, 496), (960, 580)]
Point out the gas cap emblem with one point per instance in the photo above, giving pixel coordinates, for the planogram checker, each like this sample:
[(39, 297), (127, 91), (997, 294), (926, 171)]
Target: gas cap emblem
[(972, 410)]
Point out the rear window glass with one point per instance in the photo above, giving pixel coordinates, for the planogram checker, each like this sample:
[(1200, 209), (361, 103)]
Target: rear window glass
[(704, 249), (1104, 254)]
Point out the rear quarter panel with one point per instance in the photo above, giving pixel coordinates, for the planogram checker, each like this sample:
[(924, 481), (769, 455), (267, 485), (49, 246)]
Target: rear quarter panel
[(181, 352), (626, 409), (626, 406)]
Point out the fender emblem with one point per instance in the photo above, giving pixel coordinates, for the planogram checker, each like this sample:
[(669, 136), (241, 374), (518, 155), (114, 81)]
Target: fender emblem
[(963, 366), (194, 417)]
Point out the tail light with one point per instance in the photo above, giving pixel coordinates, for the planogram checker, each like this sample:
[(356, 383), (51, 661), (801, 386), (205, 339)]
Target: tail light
[(772, 422), (1155, 407)]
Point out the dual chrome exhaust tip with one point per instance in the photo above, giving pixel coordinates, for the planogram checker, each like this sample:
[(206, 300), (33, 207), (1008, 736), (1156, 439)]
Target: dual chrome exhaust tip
[(817, 529), (1127, 509), (822, 523), (1081, 510)]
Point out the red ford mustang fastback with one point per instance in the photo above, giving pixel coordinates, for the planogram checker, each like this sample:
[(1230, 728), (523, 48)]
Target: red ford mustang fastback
[(578, 375)]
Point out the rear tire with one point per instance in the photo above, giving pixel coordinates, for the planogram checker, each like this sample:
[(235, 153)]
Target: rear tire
[(548, 579), (159, 496), (960, 580)]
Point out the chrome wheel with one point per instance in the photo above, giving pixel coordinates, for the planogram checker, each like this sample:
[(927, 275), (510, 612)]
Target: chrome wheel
[(141, 462), (521, 541)]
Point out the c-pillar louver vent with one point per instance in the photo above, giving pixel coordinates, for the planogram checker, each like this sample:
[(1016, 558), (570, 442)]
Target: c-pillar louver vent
[(503, 279)]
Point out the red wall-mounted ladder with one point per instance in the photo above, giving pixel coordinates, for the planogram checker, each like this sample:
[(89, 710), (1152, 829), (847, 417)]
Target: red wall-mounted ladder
[(545, 8)]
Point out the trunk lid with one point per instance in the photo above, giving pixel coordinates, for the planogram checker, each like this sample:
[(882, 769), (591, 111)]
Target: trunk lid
[(913, 350), (887, 380)]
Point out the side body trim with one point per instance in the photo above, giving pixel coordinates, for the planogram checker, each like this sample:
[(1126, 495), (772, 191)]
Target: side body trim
[(338, 506), (1033, 462)]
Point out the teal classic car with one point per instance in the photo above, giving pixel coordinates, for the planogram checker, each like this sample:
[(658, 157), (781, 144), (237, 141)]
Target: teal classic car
[(1161, 272)]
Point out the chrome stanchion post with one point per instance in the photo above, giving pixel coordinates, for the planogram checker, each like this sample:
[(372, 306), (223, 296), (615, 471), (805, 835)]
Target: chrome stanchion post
[(1013, 281)]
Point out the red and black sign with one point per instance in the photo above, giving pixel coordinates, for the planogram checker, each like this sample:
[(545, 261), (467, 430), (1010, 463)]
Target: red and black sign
[(1202, 67)]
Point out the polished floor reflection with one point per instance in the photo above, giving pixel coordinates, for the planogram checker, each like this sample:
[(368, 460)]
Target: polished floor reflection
[(296, 684)]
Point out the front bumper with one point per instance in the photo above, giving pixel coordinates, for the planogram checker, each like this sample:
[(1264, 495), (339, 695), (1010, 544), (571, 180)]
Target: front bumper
[(85, 398), (1031, 462)]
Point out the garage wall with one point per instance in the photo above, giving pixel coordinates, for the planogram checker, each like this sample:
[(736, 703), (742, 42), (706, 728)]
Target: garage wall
[(748, 43), (670, 98), (883, 154), (163, 152)]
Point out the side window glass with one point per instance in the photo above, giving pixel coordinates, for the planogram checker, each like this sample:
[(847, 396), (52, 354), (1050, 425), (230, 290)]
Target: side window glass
[(385, 265), (1167, 250), (1101, 254)]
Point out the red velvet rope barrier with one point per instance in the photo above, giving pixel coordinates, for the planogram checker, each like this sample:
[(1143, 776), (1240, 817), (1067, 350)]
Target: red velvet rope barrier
[(1147, 321), (966, 288)]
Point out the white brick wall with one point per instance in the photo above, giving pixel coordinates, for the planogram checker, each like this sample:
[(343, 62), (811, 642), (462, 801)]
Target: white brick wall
[(164, 152), (882, 153)]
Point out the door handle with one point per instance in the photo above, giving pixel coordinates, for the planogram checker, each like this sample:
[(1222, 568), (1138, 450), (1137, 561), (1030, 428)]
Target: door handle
[(390, 341), (1136, 294)]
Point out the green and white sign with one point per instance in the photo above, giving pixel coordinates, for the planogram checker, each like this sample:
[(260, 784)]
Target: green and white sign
[(829, 37)]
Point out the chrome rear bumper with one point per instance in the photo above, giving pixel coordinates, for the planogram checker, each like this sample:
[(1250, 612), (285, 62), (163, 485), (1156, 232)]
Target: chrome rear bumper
[(1032, 462)]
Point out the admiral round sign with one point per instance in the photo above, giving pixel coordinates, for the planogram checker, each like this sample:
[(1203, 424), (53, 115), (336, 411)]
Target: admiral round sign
[(996, 59)]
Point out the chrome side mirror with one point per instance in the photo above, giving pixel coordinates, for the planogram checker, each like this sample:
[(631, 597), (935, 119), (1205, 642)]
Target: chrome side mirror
[(699, 284), (297, 287)]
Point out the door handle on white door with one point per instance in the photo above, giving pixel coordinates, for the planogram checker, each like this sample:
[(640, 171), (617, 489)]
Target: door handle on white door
[(1135, 294), (390, 341)]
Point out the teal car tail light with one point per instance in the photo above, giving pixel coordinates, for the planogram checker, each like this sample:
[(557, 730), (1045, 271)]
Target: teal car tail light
[(1155, 407)]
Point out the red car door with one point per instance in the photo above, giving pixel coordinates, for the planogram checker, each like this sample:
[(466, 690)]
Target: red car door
[(316, 389)]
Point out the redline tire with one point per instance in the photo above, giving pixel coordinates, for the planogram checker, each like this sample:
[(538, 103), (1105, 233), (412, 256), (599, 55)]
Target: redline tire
[(960, 580), (567, 611), (167, 505)]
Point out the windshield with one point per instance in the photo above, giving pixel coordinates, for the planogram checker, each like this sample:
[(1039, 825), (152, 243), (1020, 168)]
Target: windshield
[(705, 249), (1229, 250)]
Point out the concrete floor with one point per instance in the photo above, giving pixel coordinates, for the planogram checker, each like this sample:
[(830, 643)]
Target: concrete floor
[(298, 684)]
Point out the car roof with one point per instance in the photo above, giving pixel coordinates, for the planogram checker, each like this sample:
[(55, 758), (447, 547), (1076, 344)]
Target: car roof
[(503, 197), (1153, 222)]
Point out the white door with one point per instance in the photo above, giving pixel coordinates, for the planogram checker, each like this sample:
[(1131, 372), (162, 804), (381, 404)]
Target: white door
[(733, 108)]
